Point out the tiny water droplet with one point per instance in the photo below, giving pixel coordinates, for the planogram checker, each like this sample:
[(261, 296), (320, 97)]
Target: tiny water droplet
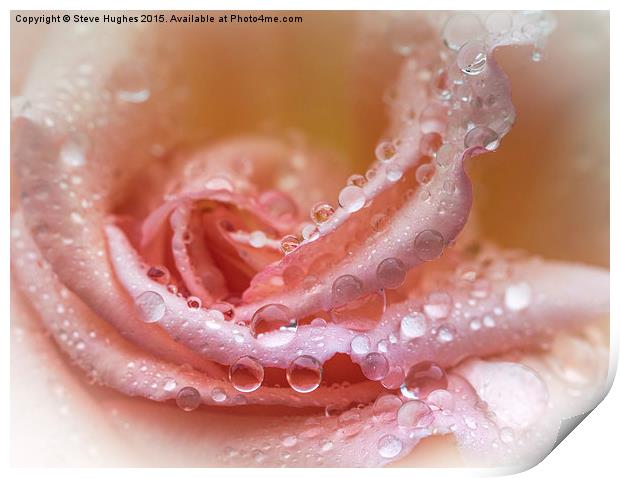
[(518, 296)]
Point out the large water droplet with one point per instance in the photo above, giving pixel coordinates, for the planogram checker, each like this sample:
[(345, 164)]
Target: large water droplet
[(462, 28), (385, 408), (441, 399), (246, 374), (391, 273), (472, 58), (346, 288), (422, 379), (428, 245), (389, 446), (304, 374), (518, 296), (481, 136), (188, 399), (352, 198), (152, 306), (273, 325), (414, 414), (375, 366), (413, 325)]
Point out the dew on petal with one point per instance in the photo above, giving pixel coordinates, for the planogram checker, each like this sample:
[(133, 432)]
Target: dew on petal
[(518, 296), (413, 325), (375, 366), (273, 325), (385, 151), (428, 245), (481, 136), (438, 305), (442, 399), (289, 243), (389, 446), (304, 374), (346, 288), (391, 273), (352, 198), (472, 58), (194, 302), (159, 274), (188, 399), (422, 379), (152, 306), (246, 374), (424, 174), (414, 414), (461, 28), (218, 395), (360, 345), (321, 212), (385, 408)]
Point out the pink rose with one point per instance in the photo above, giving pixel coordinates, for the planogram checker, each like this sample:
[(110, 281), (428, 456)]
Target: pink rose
[(174, 262)]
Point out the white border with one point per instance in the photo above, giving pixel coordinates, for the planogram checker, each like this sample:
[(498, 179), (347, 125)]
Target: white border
[(590, 450)]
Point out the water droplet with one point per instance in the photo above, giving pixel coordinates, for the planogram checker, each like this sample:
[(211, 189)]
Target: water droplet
[(413, 325), (357, 180), (304, 374), (441, 399), (391, 273), (346, 288), (132, 83), (218, 395), (289, 243), (385, 408), (289, 440), (475, 324), (152, 306), (499, 22), (433, 119), (472, 58), (461, 28), (257, 239), (360, 344), (506, 435), (470, 422), (536, 55), (445, 334), (385, 151), (159, 274), (350, 422), (73, 151), (226, 309), (273, 325), (394, 379), (246, 374), (394, 173), (518, 296), (488, 321), (188, 399), (194, 302), (169, 384), (438, 305), (481, 136), (428, 245), (389, 446), (352, 198), (219, 183), (422, 379), (375, 366), (424, 174), (321, 212), (414, 414)]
